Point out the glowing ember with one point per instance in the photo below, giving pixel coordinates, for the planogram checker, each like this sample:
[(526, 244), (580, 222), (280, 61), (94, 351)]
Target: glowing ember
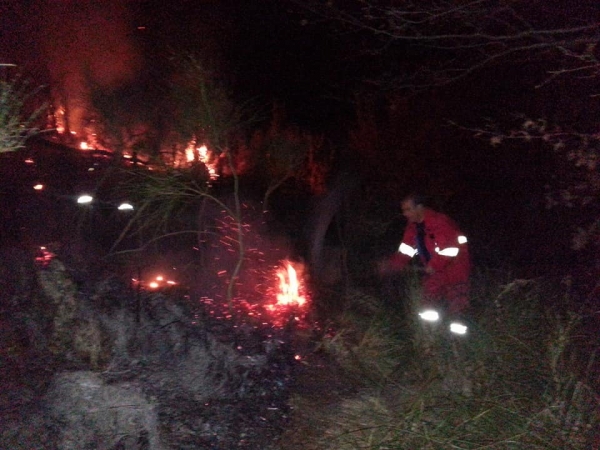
[(38, 187), (158, 282), (84, 146)]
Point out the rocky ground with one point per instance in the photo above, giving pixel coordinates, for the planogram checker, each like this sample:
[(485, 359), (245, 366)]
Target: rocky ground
[(291, 419), (291, 415), (83, 369)]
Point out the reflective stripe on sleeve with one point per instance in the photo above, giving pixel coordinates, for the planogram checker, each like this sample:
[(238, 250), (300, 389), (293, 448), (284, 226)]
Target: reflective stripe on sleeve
[(448, 251), (407, 250)]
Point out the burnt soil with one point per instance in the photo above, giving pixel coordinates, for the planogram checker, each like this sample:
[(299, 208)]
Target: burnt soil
[(289, 420)]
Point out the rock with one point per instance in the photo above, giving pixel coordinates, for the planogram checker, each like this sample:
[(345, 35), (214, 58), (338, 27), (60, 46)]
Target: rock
[(97, 415)]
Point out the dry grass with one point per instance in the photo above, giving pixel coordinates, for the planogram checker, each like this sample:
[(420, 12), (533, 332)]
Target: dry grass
[(519, 381)]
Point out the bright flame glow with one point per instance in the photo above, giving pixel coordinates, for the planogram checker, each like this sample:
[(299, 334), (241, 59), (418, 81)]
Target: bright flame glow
[(289, 293), (288, 303), (190, 153), (429, 315), (289, 287), (38, 187), (59, 117), (84, 146), (201, 154)]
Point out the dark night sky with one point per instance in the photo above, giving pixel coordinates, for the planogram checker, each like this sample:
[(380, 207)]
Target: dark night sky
[(260, 49)]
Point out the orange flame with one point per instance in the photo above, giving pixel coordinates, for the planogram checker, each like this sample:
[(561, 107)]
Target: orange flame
[(289, 287), (59, 117), (291, 296), (194, 153)]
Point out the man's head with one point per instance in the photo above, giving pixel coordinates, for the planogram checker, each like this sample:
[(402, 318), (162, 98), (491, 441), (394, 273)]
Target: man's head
[(413, 208)]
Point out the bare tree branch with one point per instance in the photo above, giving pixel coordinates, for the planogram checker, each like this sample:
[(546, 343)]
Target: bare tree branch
[(457, 37)]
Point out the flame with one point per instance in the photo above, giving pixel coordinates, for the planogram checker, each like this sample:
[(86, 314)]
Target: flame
[(284, 303), (203, 153), (194, 153), (86, 138), (60, 119), (190, 152), (289, 287), (83, 139), (290, 294)]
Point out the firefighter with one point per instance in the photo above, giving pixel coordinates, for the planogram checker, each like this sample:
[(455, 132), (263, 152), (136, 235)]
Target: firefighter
[(442, 252)]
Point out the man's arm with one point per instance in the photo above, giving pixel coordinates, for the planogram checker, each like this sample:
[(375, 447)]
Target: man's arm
[(405, 252)]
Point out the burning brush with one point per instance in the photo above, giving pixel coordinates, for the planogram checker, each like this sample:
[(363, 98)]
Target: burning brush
[(291, 296)]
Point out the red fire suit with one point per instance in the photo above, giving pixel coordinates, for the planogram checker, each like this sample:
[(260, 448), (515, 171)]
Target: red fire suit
[(449, 265)]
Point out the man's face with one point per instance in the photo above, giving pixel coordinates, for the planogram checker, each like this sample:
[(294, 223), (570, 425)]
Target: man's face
[(412, 212)]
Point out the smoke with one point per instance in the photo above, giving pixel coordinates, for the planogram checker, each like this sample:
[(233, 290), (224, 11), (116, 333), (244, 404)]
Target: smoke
[(87, 43), (92, 49)]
